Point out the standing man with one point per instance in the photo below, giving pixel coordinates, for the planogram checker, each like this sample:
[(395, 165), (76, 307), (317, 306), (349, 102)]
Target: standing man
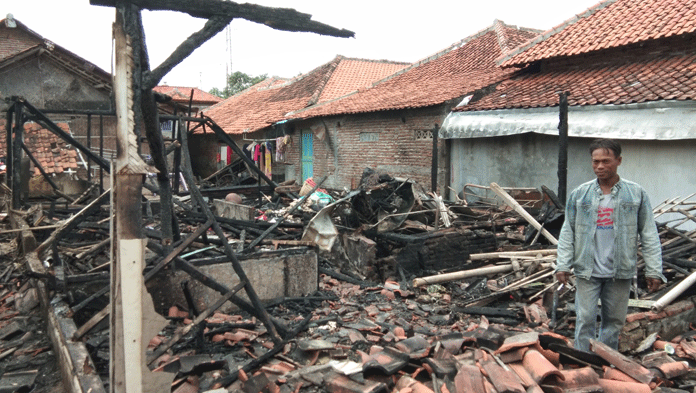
[(599, 242)]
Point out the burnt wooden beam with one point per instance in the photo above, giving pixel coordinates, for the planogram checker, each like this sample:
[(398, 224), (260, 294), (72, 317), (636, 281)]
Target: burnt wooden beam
[(563, 145), (44, 174), (213, 284), (229, 379), (16, 148), (286, 19), (214, 25), (51, 126), (8, 143), (487, 311), (286, 215), (222, 135), (76, 219), (200, 318), (433, 169), (259, 310), (178, 250)]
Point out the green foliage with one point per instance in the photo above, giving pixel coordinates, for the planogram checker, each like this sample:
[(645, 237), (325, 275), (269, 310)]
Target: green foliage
[(236, 83)]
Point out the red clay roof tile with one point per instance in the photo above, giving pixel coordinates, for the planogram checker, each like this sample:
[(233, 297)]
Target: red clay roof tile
[(609, 24), (183, 94), (39, 142), (638, 76), (269, 101), (463, 67)]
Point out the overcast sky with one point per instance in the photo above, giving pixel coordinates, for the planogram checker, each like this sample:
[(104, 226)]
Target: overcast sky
[(384, 29)]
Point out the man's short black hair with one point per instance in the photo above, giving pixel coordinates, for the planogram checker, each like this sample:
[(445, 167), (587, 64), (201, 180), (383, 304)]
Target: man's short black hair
[(609, 144)]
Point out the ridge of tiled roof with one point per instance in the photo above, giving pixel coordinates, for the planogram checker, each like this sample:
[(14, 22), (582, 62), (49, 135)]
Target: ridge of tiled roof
[(639, 74), (267, 103), (467, 65), (183, 94), (11, 48), (11, 45), (608, 24)]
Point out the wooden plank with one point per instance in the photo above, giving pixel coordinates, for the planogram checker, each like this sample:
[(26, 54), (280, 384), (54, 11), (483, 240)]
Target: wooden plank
[(628, 366), (510, 201)]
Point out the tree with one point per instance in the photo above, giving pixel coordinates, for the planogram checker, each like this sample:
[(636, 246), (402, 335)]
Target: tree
[(236, 83)]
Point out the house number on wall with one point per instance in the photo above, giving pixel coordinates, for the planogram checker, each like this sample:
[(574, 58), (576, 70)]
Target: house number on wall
[(369, 136)]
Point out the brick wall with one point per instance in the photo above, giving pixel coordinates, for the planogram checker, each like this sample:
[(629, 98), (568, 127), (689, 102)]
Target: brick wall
[(345, 145)]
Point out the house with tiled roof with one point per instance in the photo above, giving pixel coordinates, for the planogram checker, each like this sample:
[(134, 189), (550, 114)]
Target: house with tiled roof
[(629, 68), (182, 97), (62, 85), (259, 113), (46, 74), (389, 125), (182, 100)]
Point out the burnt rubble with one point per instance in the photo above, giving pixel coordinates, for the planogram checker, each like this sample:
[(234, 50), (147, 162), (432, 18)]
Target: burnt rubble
[(387, 287)]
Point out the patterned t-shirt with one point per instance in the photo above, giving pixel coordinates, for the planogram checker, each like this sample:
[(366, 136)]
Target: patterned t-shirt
[(604, 239)]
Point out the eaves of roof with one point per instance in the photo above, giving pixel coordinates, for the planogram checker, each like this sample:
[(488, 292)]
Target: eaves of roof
[(658, 120), (643, 74), (609, 24)]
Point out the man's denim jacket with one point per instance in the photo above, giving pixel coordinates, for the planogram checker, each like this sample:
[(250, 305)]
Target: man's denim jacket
[(633, 216)]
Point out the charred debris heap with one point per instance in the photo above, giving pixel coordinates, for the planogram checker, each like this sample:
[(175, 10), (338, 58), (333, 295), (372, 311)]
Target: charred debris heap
[(396, 288)]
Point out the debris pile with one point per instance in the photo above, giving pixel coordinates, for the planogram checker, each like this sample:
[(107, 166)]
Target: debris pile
[(387, 287)]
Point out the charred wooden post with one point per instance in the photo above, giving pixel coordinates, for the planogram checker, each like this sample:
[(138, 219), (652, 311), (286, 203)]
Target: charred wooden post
[(8, 143), (433, 171), (89, 146), (563, 146), (16, 148), (101, 152), (127, 370), (260, 311)]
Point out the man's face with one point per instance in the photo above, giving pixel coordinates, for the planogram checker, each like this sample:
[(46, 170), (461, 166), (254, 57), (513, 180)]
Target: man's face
[(605, 164)]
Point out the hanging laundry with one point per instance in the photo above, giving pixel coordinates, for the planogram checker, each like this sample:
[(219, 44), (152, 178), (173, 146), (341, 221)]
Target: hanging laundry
[(280, 149), (267, 171), (247, 151), (257, 152), (261, 162)]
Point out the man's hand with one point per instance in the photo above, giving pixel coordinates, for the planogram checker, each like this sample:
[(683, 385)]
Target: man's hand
[(563, 277), (653, 284)]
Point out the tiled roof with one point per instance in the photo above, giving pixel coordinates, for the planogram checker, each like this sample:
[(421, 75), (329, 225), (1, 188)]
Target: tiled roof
[(52, 152), (609, 24), (463, 67), (183, 94), (269, 101), (16, 42), (354, 74), (635, 74), (17, 39)]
